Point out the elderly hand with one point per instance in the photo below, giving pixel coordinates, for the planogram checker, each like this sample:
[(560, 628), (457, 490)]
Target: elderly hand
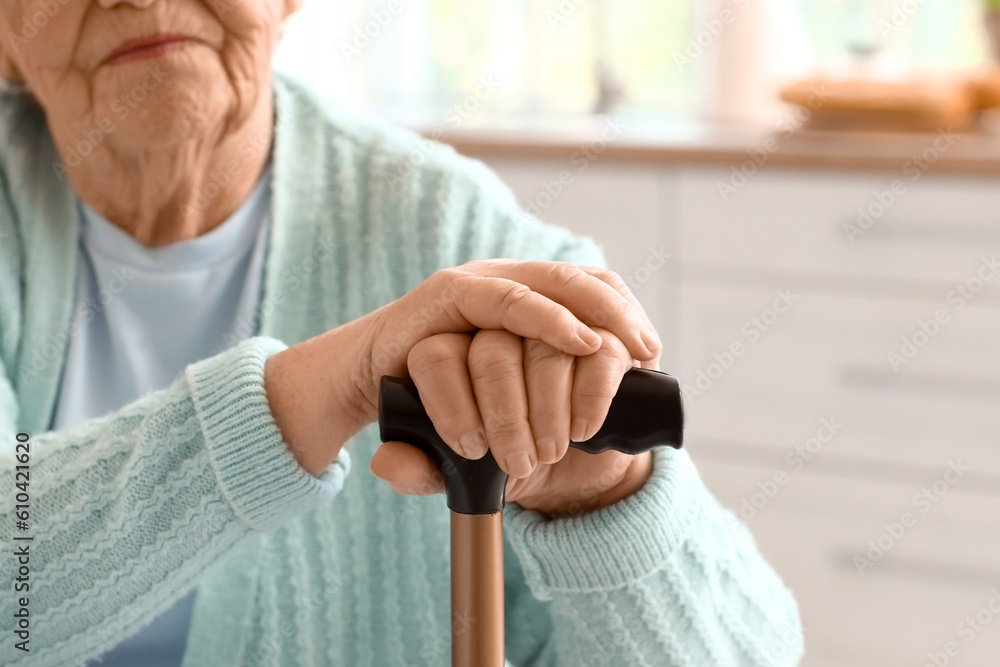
[(525, 400), (322, 391)]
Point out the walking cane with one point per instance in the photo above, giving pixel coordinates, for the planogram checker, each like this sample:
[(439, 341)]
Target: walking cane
[(645, 413)]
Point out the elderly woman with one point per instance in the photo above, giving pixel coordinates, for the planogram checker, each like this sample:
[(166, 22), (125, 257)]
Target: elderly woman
[(204, 271)]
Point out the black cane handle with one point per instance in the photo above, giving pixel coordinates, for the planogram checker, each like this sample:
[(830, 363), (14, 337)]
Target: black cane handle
[(645, 413)]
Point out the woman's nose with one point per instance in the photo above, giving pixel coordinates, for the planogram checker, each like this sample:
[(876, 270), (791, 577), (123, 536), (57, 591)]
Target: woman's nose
[(141, 4)]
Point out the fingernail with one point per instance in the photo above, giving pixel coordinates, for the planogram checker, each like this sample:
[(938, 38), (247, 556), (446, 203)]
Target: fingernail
[(579, 431), (473, 445), (518, 465), (546, 450), (650, 339), (587, 335)]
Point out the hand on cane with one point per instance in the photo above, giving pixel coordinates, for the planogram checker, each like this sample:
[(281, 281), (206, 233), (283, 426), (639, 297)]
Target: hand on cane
[(568, 320), (525, 400)]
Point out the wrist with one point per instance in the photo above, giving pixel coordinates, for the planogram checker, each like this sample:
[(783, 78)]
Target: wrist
[(313, 392), (592, 496), (636, 475)]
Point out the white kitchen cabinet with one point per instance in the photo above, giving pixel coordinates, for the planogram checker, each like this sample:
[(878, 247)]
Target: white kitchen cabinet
[(826, 357), (922, 273), (904, 606), (933, 236)]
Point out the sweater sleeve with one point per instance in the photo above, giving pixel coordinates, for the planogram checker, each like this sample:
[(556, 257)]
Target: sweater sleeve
[(127, 511), (665, 577)]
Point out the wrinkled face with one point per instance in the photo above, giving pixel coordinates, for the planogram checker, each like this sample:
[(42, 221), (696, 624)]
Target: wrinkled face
[(158, 71)]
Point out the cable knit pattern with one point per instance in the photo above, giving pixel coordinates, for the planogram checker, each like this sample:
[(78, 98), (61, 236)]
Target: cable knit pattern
[(192, 486)]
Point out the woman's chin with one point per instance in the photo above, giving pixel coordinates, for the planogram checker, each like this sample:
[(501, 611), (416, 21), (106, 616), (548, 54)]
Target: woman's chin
[(155, 104), (177, 111)]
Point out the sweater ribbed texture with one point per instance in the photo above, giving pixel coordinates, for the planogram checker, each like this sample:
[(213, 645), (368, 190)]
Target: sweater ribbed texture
[(192, 486)]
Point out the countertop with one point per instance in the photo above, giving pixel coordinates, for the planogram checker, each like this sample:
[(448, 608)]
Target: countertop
[(666, 140)]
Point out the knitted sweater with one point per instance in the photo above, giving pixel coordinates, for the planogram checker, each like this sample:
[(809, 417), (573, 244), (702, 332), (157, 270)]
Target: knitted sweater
[(193, 486)]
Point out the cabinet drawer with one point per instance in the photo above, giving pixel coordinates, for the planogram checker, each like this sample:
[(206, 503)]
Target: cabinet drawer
[(938, 231), (941, 569), (827, 357)]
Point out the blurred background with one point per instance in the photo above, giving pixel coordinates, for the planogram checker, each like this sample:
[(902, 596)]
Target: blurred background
[(805, 195)]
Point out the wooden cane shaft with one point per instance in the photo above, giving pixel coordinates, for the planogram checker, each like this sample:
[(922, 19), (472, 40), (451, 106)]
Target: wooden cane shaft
[(477, 613)]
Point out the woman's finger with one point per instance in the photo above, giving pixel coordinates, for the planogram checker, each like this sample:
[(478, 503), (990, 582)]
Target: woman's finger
[(455, 300), (496, 370), (550, 301), (439, 368), (494, 302), (554, 302), (548, 378), (593, 296), (595, 384), (407, 469), (616, 282)]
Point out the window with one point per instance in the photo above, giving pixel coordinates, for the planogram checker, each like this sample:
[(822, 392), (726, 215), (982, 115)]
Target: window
[(917, 34), (524, 56), (543, 56)]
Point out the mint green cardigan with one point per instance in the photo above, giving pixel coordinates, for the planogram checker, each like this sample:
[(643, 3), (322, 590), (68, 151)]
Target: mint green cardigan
[(193, 486)]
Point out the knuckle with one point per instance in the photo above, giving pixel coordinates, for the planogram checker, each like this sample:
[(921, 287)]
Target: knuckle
[(512, 295), (550, 419), (490, 368), (473, 265), (597, 394), (564, 273), (616, 281), (493, 344), (597, 316), (503, 423), (540, 351), (461, 419), (448, 276), (444, 285), (430, 354), (500, 418), (612, 346)]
